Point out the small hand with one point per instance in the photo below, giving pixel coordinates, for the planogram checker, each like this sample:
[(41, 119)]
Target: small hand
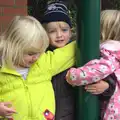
[(6, 109), (68, 76), (97, 88)]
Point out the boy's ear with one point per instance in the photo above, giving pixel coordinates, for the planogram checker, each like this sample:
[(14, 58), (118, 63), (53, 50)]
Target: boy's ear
[(73, 36), (70, 33)]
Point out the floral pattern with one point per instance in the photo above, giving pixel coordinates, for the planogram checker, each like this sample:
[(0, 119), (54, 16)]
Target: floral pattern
[(98, 69)]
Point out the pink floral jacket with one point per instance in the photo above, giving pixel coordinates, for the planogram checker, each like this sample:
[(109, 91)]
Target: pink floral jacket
[(98, 69)]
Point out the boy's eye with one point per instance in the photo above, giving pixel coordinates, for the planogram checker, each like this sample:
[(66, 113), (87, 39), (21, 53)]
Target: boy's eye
[(65, 29), (51, 31)]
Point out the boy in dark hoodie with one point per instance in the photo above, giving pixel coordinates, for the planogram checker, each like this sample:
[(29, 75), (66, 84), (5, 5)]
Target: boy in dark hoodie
[(58, 26)]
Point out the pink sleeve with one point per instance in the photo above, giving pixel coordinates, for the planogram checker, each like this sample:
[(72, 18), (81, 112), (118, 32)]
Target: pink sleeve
[(93, 71)]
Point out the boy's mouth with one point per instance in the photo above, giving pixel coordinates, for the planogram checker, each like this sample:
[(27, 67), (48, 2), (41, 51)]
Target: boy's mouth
[(60, 41)]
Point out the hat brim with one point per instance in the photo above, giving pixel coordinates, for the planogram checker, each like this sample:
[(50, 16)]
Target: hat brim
[(55, 16)]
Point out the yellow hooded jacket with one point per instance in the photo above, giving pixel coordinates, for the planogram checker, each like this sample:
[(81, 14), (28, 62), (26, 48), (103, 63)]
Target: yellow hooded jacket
[(33, 98)]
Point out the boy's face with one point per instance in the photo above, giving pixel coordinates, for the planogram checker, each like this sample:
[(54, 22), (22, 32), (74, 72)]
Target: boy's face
[(59, 33)]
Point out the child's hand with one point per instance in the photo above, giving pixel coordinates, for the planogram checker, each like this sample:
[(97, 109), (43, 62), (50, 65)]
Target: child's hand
[(97, 88), (6, 109), (68, 76)]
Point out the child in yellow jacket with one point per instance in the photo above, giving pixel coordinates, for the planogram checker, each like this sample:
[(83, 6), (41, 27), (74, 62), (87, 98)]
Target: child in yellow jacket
[(26, 70)]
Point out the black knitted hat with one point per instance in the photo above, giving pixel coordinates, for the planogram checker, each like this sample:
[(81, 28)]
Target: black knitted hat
[(56, 11)]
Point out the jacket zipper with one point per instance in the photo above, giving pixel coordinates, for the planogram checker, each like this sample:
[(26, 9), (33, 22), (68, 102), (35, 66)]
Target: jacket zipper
[(28, 99)]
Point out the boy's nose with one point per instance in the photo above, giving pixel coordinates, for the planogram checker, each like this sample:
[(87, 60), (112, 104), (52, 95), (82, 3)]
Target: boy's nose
[(59, 34)]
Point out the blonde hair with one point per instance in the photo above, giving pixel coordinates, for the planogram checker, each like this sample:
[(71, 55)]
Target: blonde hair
[(59, 23), (22, 36), (110, 25)]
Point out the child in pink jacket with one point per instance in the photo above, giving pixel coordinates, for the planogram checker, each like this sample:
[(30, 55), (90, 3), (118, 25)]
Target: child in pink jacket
[(109, 63)]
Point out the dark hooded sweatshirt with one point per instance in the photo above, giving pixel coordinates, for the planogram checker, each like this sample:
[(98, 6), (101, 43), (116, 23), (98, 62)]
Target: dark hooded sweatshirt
[(64, 97)]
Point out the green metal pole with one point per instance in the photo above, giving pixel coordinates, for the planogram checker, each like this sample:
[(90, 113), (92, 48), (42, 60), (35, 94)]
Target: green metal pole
[(88, 22)]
